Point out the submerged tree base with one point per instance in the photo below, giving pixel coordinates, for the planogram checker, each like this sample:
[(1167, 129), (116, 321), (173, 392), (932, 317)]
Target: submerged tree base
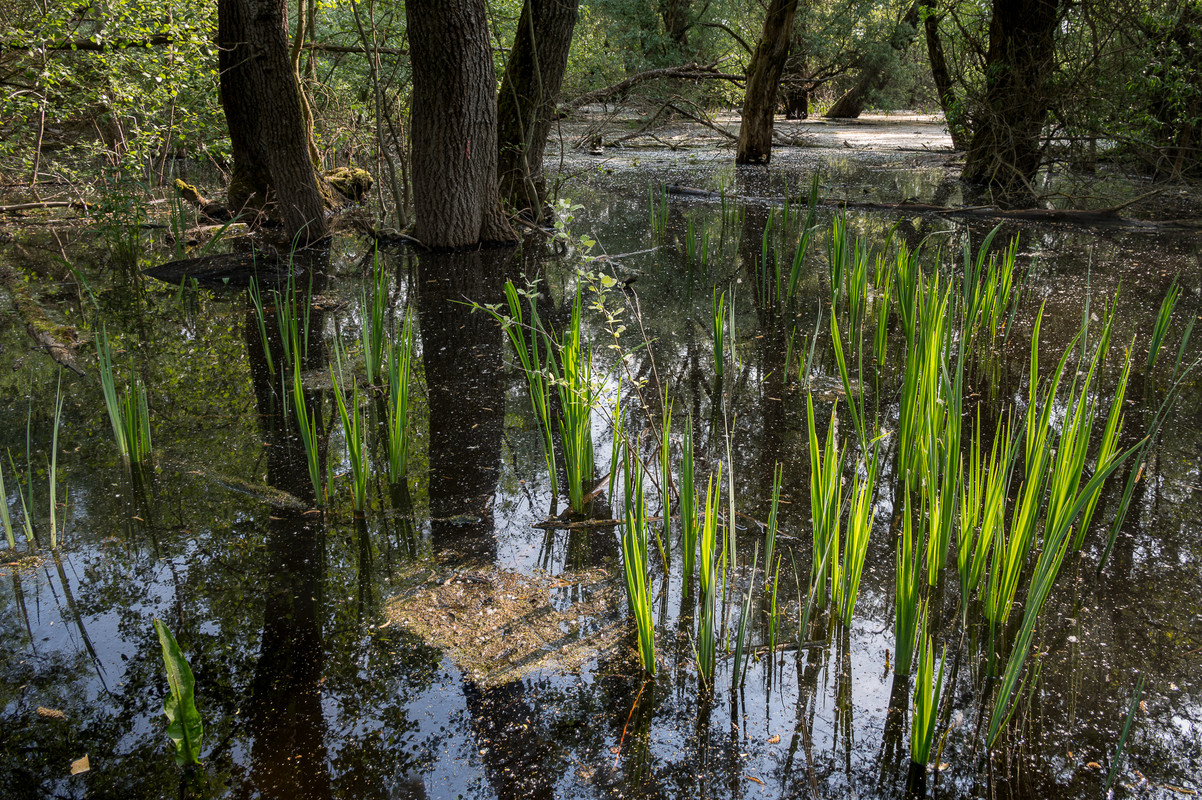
[(497, 626)]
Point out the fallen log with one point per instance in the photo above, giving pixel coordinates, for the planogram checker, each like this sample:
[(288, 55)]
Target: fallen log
[(57, 340), (1103, 218), (21, 208), (267, 266)]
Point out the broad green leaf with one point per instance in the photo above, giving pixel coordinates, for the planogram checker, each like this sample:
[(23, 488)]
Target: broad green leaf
[(184, 725)]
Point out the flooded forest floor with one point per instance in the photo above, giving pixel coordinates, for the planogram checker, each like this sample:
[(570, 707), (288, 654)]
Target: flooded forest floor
[(387, 593)]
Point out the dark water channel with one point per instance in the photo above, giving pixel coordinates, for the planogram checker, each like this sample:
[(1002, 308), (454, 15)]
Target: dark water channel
[(309, 688)]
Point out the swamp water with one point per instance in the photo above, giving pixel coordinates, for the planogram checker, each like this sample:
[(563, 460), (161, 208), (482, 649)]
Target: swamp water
[(451, 643)]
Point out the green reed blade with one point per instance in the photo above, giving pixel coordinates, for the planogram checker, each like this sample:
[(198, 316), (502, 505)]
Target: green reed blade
[(927, 690)]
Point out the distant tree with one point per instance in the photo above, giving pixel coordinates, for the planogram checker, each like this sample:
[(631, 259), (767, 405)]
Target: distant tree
[(953, 111), (454, 125), (264, 110), (763, 78), (877, 68), (531, 84)]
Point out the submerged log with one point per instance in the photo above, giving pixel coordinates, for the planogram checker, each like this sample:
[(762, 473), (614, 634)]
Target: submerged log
[(229, 269), (57, 340), (1100, 218)]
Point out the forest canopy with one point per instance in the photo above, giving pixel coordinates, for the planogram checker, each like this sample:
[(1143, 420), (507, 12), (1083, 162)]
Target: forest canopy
[(131, 90)]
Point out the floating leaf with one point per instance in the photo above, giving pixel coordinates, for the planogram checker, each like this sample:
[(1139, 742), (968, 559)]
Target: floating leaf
[(184, 725)]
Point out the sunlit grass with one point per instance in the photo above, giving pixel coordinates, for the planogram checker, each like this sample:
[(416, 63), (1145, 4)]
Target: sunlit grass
[(635, 558)]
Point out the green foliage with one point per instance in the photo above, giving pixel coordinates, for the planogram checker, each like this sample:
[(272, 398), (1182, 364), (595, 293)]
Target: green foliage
[(127, 81), (184, 726)]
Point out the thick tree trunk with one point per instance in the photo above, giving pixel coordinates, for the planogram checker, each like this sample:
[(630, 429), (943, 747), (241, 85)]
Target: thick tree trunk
[(529, 89), (763, 78), (264, 113), (875, 73), (454, 125), (1006, 145)]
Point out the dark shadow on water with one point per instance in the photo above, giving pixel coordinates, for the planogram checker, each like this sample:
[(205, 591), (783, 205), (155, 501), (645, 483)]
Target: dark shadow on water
[(465, 375)]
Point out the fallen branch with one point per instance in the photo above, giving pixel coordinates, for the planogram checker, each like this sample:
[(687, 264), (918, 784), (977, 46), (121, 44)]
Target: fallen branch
[(703, 121), (691, 72), (213, 210), (20, 208)]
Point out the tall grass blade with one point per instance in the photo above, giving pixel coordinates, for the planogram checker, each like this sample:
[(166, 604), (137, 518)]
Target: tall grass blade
[(1119, 750), (1161, 327), (689, 525), (400, 372)]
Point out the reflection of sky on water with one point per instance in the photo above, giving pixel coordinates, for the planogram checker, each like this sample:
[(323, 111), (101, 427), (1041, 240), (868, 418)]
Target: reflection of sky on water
[(386, 716)]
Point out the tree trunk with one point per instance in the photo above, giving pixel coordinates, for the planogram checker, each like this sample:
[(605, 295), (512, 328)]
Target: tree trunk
[(875, 72), (952, 110), (1006, 145), (797, 101), (529, 89), (676, 21), (763, 78), (454, 125), (263, 110)]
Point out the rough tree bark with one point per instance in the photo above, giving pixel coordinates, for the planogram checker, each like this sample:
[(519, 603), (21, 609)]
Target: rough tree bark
[(454, 125), (874, 72), (763, 78), (942, 76), (529, 89), (1006, 145), (263, 110)]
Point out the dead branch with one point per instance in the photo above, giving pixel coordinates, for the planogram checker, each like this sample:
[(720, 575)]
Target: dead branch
[(733, 35), (20, 208), (692, 72), (1101, 218), (702, 121)]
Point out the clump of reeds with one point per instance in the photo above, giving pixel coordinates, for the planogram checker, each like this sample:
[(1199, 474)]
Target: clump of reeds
[(5, 517), (1161, 327), (354, 431), (400, 372), (860, 517), (707, 634), (308, 426), (742, 642), (372, 306), (657, 202), (826, 500), (530, 355), (635, 558), (129, 411), (906, 589), (927, 689), (665, 485), (573, 378), (718, 318)]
